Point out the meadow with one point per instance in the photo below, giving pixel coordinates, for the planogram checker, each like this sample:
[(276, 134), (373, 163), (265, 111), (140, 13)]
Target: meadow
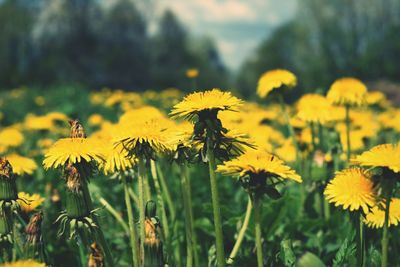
[(167, 178)]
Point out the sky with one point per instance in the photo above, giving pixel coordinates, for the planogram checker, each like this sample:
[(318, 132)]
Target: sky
[(237, 26)]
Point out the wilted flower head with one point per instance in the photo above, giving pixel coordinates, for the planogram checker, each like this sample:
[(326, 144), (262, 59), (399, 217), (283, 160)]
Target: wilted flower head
[(275, 79), (351, 188), (347, 91)]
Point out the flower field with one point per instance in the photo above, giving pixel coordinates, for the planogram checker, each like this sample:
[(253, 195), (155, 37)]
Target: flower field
[(123, 178)]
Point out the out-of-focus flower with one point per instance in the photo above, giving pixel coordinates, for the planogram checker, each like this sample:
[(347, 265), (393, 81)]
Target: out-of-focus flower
[(95, 119), (386, 155), (287, 151), (29, 202), (376, 217), (347, 91), (275, 79), (11, 137), (21, 165), (314, 108), (192, 73), (40, 101), (24, 263), (377, 98), (351, 188)]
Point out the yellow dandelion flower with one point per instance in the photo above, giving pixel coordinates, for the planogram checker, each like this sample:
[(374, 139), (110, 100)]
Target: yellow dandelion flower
[(116, 159), (192, 73), (21, 165), (314, 108), (29, 202), (23, 263), (377, 98), (287, 151), (390, 119), (387, 155), (351, 188), (275, 79), (212, 100), (142, 114), (347, 91), (145, 138), (11, 137), (74, 150), (258, 162), (376, 218)]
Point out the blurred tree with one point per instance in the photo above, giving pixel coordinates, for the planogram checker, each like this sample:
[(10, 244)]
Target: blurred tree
[(122, 48), (15, 43)]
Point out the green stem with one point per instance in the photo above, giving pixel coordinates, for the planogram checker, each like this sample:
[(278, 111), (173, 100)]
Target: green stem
[(165, 224), (348, 132), (242, 231), (99, 231), (166, 193), (385, 237), (257, 223), (194, 236), (114, 213), (82, 256), (360, 240), (216, 207), (134, 197), (188, 216), (141, 177), (131, 222)]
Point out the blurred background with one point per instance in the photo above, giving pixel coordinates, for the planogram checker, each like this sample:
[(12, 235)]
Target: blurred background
[(149, 44)]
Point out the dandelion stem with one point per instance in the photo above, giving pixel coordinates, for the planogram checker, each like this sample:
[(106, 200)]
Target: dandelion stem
[(166, 193), (257, 224), (188, 219), (131, 222), (165, 224), (216, 207), (385, 236), (360, 240), (348, 132), (242, 231), (134, 196), (114, 213), (142, 170)]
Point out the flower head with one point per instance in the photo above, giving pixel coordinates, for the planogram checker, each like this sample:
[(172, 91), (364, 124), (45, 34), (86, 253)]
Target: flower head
[(376, 218), (387, 155), (314, 108), (275, 79), (117, 159), (192, 73), (22, 165), (74, 150), (208, 101), (258, 163), (351, 188), (11, 137), (347, 91), (23, 263), (29, 202)]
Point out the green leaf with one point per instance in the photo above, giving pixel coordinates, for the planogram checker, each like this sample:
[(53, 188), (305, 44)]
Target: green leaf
[(287, 255), (310, 260), (345, 251)]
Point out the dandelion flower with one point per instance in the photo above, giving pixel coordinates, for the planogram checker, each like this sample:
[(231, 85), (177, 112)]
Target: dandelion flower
[(314, 108), (347, 91), (386, 155), (116, 159), (29, 202), (95, 119), (376, 218), (23, 263), (209, 101), (377, 98), (192, 73), (73, 150), (21, 165), (11, 137), (351, 188), (274, 79), (258, 163)]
